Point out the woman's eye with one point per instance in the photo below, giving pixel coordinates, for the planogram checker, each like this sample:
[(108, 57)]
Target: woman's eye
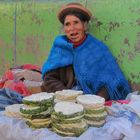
[(67, 24), (76, 22)]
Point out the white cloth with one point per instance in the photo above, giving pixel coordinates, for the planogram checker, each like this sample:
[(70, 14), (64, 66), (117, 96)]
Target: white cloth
[(16, 129)]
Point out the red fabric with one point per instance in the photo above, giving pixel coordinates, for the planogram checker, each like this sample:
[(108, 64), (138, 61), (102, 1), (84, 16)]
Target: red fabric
[(31, 67), (17, 86), (8, 81), (1, 83), (8, 75), (109, 103)]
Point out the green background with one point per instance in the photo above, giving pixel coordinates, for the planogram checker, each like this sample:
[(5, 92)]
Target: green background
[(115, 22)]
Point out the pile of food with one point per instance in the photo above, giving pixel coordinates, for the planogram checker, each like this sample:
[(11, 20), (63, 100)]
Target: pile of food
[(37, 109), (67, 95), (95, 112), (71, 115), (67, 119)]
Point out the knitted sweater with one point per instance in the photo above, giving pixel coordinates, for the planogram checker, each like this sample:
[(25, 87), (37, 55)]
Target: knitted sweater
[(94, 66)]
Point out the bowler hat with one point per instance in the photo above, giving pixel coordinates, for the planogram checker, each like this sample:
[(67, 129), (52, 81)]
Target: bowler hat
[(73, 7)]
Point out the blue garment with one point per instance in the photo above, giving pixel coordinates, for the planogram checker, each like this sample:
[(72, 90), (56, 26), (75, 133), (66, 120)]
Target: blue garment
[(94, 66), (9, 97)]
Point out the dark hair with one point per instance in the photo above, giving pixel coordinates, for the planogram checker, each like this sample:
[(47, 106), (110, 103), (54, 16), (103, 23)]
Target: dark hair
[(82, 17)]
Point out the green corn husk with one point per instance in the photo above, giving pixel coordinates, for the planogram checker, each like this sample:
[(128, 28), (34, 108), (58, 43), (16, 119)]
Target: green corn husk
[(61, 116), (65, 134), (42, 115), (94, 111), (44, 102), (95, 123), (62, 120), (95, 117), (34, 111), (77, 128), (37, 125)]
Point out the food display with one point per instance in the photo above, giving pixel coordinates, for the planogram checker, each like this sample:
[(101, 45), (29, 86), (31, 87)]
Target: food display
[(67, 119), (67, 95), (71, 115), (95, 112), (37, 109)]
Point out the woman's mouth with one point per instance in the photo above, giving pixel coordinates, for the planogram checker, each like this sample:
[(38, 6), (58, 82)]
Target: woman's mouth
[(74, 35)]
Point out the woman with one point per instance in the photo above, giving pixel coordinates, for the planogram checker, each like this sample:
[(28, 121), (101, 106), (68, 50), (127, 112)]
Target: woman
[(79, 61)]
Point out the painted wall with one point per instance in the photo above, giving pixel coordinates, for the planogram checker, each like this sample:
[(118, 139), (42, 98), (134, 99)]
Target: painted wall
[(27, 30)]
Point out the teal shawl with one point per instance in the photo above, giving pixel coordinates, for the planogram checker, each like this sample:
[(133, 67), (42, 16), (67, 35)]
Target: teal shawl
[(94, 66)]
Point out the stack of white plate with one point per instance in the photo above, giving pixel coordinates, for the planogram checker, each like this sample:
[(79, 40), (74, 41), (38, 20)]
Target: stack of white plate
[(67, 95)]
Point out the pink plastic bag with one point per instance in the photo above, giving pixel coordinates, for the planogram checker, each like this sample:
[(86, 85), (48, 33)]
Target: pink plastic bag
[(109, 103)]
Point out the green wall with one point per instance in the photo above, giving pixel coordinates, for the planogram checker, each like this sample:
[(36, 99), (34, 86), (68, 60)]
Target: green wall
[(115, 22)]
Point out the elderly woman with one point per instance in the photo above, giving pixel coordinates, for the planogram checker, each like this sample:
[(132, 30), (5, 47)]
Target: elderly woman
[(79, 61)]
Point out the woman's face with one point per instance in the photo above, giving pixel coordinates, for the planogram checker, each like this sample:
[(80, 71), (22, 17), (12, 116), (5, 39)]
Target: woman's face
[(74, 28)]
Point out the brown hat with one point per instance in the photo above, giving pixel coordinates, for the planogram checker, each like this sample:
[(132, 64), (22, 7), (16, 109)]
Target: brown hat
[(73, 7)]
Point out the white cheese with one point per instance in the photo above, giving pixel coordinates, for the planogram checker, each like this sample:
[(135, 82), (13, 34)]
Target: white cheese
[(42, 123), (39, 96), (68, 91), (68, 108), (63, 132), (71, 119), (91, 100), (13, 110), (39, 121), (103, 114), (96, 109), (25, 107), (59, 100), (67, 94), (98, 123), (82, 124)]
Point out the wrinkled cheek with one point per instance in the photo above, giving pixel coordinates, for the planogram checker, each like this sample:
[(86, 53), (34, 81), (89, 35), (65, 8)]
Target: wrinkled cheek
[(67, 31), (67, 34)]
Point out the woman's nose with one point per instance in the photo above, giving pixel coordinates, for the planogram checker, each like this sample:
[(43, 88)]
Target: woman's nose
[(72, 27)]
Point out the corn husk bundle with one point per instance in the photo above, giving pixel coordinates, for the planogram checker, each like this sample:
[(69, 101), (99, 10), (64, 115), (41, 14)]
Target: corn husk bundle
[(67, 95), (95, 112), (37, 110), (67, 119)]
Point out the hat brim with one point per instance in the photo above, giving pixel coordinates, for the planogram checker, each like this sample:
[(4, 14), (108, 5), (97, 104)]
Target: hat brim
[(75, 8)]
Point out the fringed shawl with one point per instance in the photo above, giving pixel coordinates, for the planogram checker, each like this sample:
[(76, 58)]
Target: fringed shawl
[(94, 66)]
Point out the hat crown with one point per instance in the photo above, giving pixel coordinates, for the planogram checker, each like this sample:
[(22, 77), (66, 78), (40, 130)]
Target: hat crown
[(73, 6), (75, 3)]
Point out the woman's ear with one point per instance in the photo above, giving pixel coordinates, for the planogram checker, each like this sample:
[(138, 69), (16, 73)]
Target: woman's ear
[(85, 26)]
